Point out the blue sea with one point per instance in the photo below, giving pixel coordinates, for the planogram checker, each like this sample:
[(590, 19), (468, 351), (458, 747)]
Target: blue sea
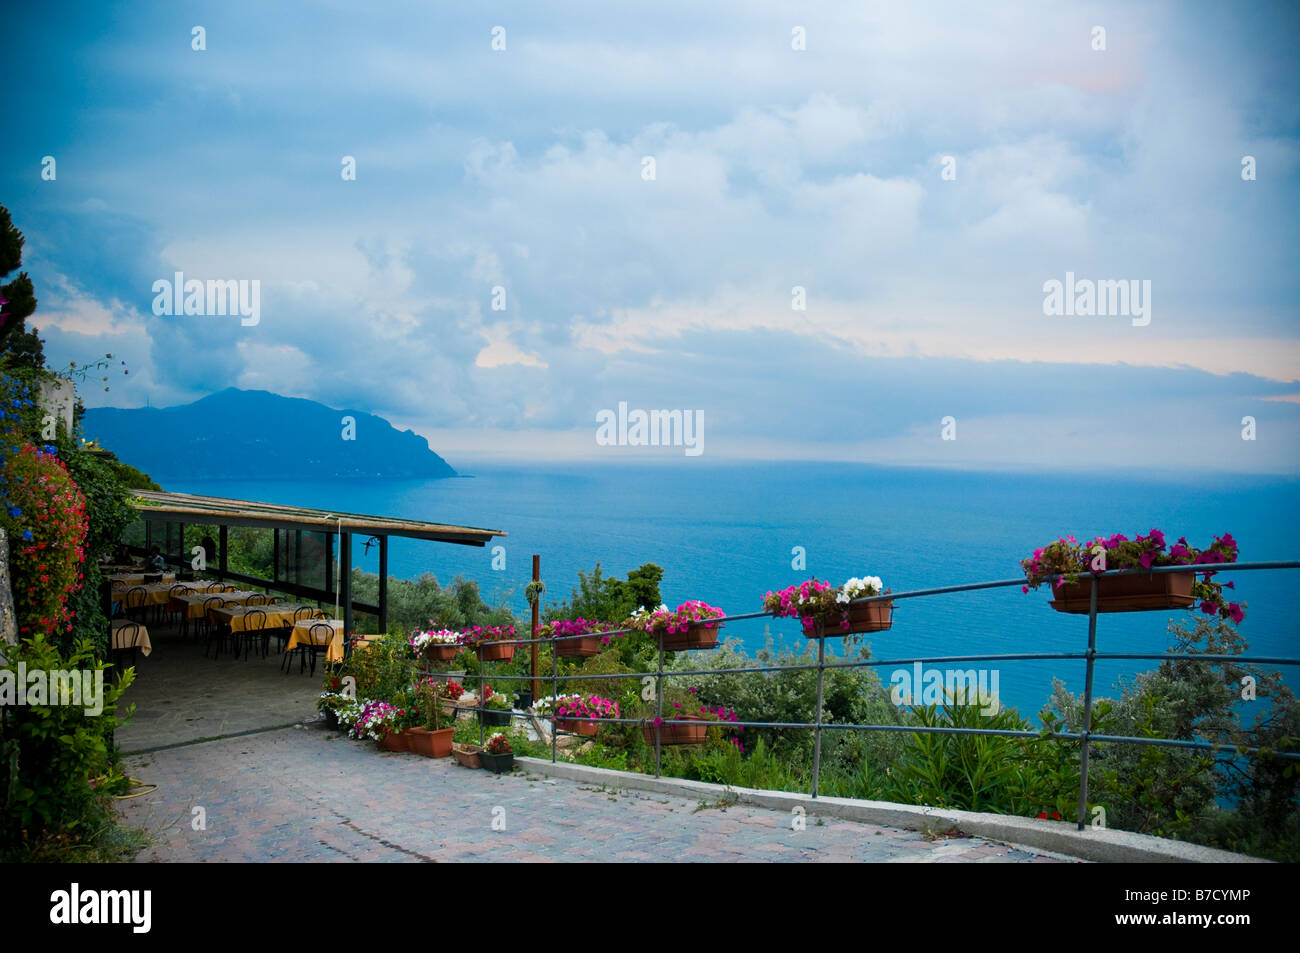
[(725, 533)]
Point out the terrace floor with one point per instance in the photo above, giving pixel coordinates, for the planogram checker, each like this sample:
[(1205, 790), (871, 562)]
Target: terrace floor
[(308, 794), (180, 696)]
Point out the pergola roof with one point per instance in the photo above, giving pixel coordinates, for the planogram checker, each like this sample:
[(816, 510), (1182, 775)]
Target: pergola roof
[(188, 508)]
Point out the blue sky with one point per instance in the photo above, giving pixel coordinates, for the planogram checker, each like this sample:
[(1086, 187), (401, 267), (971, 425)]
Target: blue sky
[(774, 168)]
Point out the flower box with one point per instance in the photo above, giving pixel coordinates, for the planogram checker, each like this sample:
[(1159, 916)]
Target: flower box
[(495, 651), (578, 726), (1171, 590), (585, 647), (696, 637), (863, 617), (498, 763), (430, 744), (441, 653), (467, 756), (687, 730), (393, 741)]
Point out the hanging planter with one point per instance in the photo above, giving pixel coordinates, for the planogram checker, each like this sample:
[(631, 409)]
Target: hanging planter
[(585, 647), (697, 636), (577, 726), (492, 643), (685, 628), (685, 730), (1127, 593), (1066, 565), (592, 643), (825, 611)]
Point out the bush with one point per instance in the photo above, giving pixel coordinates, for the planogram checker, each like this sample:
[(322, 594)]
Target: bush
[(57, 768), (45, 517)]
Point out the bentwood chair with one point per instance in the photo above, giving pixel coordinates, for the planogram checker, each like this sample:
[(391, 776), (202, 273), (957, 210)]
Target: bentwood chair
[(319, 637), (133, 603), (211, 626), (125, 642), (255, 632), (175, 592)]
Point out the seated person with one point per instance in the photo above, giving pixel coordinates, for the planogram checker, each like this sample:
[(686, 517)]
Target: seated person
[(156, 561)]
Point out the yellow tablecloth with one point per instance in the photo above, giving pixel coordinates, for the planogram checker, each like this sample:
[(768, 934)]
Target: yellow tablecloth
[(301, 635), (124, 636), (137, 578), (159, 593), (192, 605), (278, 616)]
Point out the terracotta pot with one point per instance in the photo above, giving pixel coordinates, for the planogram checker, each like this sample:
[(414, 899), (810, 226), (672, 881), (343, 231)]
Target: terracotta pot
[(579, 726), (584, 647), (467, 756), (431, 744), (863, 617), (394, 741), (495, 651), (441, 653), (695, 637), (688, 730), (1166, 590)]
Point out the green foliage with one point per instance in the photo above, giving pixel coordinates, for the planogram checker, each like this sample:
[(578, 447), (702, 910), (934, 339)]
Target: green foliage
[(57, 770), (422, 603), (607, 597), (383, 670)]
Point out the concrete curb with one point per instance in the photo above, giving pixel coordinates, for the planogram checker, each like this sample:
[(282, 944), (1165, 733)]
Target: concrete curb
[(1059, 837)]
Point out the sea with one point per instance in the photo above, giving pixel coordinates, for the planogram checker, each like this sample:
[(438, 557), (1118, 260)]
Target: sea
[(726, 533)]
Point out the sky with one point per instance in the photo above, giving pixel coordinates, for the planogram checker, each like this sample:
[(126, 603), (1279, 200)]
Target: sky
[(630, 203)]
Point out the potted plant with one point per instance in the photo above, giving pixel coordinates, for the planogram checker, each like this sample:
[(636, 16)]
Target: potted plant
[(437, 645), (685, 720), (430, 738), (823, 609), (497, 755), (492, 643), (577, 638), (1064, 561), (378, 721), (329, 703), (495, 708), (687, 627), (467, 756), (579, 714)]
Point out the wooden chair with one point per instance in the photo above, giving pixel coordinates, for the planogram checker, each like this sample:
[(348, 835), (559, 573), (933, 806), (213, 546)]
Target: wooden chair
[(212, 627), (125, 641), (176, 592), (255, 632), (133, 603), (320, 635)]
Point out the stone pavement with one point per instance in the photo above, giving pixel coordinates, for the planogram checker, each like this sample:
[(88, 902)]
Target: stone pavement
[(181, 696), (305, 794)]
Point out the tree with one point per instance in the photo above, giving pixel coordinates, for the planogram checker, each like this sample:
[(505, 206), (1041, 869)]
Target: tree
[(21, 348)]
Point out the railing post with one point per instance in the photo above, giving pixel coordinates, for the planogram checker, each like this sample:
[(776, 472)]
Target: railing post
[(555, 690), (817, 728), (659, 705), (1086, 728)]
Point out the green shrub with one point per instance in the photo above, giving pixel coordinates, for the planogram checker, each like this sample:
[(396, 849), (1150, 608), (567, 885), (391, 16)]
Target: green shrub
[(57, 766)]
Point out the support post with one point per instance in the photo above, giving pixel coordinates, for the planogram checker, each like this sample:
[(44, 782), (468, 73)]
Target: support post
[(384, 584), (817, 727), (345, 580), (537, 577), (1086, 728), (221, 552)]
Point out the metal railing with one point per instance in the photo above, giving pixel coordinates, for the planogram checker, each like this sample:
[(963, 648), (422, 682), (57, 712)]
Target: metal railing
[(1085, 737)]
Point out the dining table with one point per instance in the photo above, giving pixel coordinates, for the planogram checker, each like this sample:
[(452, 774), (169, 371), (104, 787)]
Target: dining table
[(278, 616), (137, 578), (192, 605), (128, 634)]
